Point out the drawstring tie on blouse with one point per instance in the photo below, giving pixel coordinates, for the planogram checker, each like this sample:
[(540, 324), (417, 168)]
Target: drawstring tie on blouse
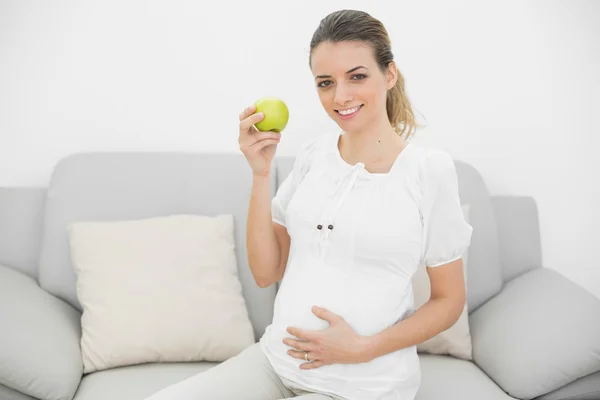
[(327, 226)]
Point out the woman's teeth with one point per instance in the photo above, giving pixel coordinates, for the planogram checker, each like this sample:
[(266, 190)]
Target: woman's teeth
[(349, 111)]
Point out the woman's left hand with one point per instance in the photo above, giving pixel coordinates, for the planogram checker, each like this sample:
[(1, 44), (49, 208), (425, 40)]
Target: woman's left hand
[(337, 344)]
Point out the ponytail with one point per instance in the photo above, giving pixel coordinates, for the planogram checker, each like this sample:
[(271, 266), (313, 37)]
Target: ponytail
[(399, 109)]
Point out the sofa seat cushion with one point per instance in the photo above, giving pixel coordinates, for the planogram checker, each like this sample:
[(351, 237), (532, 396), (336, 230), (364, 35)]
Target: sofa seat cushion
[(445, 377), (136, 382), (586, 388)]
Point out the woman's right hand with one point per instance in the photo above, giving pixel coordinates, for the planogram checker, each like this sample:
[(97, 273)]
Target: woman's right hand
[(258, 147)]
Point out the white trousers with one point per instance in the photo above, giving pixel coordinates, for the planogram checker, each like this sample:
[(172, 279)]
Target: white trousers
[(247, 376)]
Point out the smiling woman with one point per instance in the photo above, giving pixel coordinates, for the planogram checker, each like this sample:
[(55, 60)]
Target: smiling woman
[(362, 210), (367, 35)]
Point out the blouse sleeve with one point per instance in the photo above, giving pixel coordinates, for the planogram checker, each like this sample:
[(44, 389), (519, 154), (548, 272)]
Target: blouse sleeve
[(446, 233), (286, 190)]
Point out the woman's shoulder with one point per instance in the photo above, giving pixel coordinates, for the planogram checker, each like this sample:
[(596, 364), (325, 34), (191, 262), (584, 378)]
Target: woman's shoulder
[(429, 153), (430, 158), (431, 165)]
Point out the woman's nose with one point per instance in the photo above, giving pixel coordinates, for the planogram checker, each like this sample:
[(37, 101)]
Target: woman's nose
[(342, 95)]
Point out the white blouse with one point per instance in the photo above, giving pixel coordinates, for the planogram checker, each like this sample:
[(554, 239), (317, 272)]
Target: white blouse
[(357, 238)]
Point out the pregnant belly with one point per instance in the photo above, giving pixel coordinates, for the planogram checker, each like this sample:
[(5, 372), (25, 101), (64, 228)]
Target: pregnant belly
[(368, 301)]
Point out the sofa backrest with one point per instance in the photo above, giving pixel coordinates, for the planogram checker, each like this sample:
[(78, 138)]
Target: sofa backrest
[(21, 216), (484, 272), (135, 185), (117, 186)]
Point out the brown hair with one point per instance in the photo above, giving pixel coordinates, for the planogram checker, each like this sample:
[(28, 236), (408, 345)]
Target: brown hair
[(352, 25)]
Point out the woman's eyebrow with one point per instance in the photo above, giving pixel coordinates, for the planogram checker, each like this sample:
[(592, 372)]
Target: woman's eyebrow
[(349, 71)]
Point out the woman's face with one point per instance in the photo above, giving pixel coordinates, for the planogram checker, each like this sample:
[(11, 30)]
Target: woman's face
[(350, 85)]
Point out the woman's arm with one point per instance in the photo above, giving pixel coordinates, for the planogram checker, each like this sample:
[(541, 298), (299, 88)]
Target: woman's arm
[(267, 243), (443, 309)]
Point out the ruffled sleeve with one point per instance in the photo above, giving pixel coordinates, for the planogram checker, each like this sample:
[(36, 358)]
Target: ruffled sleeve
[(287, 188), (446, 234)]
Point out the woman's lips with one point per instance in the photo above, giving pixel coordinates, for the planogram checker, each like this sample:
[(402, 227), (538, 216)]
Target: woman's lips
[(345, 117)]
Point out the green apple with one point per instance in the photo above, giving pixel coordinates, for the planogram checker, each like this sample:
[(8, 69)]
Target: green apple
[(276, 114)]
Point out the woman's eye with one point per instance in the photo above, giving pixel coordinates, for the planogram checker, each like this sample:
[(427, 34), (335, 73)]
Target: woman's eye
[(355, 77)]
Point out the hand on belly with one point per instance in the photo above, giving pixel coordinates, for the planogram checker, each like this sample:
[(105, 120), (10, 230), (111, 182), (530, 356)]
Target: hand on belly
[(337, 343)]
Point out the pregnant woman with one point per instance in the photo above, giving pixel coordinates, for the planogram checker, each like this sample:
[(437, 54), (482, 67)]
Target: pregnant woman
[(361, 211)]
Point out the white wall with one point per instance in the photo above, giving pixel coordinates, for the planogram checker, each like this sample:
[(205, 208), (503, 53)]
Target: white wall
[(510, 87)]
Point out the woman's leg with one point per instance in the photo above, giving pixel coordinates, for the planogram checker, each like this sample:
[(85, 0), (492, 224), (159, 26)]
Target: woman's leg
[(301, 393), (247, 376)]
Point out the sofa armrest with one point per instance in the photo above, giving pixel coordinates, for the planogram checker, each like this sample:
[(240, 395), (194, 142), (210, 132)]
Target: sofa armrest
[(519, 243), (39, 340), (541, 332)]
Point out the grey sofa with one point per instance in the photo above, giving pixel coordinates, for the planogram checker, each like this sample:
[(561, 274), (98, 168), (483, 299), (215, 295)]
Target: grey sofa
[(535, 333)]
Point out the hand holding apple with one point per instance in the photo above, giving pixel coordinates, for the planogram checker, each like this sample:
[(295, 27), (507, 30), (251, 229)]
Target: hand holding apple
[(258, 147)]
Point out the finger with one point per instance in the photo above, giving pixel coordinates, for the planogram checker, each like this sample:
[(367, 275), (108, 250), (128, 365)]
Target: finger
[(247, 112), (265, 135), (312, 364), (299, 344), (247, 123), (264, 143), (249, 140), (325, 314), (300, 355), (300, 333)]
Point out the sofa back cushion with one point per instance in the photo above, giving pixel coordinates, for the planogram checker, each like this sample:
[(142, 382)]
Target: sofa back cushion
[(161, 289), (484, 271), (132, 185)]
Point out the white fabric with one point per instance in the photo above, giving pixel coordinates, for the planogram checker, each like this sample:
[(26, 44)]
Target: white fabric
[(162, 289), (385, 225), (456, 340)]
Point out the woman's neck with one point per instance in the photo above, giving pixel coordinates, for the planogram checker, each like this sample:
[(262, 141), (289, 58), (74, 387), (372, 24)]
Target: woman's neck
[(373, 145)]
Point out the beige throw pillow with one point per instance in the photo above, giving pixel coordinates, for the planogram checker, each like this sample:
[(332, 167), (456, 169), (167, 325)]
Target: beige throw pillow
[(162, 289), (455, 341)]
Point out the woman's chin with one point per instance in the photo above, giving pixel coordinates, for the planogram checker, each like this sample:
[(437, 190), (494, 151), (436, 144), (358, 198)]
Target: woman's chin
[(349, 128)]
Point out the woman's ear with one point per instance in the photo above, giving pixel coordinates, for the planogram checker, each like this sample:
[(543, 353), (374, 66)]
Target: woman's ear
[(391, 75)]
